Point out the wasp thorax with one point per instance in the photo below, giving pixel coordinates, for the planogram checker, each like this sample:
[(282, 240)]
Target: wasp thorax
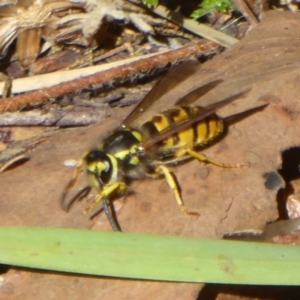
[(95, 156)]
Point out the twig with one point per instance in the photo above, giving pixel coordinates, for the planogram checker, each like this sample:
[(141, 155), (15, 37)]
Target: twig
[(111, 53), (110, 75), (247, 13)]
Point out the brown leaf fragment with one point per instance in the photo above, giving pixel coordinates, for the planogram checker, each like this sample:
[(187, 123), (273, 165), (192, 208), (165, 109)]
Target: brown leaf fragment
[(63, 59), (13, 160), (17, 152), (28, 45)]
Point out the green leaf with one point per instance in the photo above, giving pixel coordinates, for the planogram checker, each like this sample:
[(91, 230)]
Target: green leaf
[(208, 6), (150, 3), (153, 257)]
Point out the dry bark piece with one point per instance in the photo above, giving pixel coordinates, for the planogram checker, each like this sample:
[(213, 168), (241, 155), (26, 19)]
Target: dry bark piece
[(248, 292), (61, 118), (5, 135), (60, 60)]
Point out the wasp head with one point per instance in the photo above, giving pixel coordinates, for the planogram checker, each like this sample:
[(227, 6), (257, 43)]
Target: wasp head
[(102, 167)]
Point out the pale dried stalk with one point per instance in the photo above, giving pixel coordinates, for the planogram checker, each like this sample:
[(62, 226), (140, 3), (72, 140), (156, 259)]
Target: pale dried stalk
[(203, 30)]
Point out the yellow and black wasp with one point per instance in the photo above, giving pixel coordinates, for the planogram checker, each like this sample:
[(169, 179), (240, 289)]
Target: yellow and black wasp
[(146, 142)]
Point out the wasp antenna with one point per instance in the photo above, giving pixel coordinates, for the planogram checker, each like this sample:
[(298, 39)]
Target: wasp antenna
[(66, 205), (110, 215)]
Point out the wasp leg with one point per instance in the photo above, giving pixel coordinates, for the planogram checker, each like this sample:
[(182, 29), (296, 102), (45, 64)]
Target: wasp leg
[(77, 170), (106, 192), (72, 183), (109, 215), (201, 157), (174, 186)]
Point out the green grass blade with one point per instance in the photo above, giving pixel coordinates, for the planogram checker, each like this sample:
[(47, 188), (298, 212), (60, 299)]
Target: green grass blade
[(150, 256)]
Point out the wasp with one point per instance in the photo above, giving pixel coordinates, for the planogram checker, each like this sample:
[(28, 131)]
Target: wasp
[(146, 143)]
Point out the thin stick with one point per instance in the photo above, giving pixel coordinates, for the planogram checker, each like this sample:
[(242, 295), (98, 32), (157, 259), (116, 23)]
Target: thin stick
[(142, 64), (247, 13)]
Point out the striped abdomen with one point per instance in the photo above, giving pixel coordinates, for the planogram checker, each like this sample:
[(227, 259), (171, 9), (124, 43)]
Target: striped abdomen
[(199, 134)]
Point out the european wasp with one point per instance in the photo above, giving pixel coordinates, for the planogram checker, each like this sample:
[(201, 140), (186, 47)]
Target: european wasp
[(144, 145)]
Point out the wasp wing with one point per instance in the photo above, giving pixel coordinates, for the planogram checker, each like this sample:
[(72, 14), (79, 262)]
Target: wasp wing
[(244, 114), (162, 87), (176, 127), (197, 93)]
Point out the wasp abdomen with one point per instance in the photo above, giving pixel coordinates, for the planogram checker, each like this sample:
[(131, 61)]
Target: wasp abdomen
[(198, 134)]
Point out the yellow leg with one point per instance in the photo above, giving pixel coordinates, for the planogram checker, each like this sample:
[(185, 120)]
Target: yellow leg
[(201, 157), (173, 185), (106, 192)]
